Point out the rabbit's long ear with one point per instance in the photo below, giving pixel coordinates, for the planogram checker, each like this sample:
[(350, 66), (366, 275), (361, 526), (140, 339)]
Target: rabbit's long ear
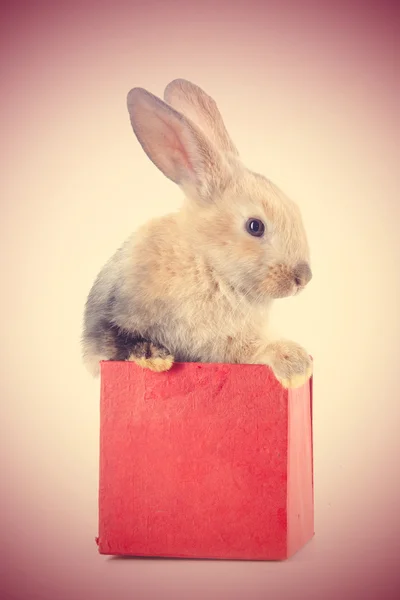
[(194, 103), (175, 145)]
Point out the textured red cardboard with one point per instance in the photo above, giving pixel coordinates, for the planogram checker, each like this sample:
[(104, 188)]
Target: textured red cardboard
[(204, 461)]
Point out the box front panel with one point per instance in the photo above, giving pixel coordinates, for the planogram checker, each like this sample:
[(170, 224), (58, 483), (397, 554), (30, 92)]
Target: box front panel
[(193, 462)]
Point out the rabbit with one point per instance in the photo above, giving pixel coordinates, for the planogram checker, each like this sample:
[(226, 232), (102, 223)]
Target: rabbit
[(197, 285)]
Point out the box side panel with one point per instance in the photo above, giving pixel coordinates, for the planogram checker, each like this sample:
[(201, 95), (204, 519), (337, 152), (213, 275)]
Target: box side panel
[(300, 469)]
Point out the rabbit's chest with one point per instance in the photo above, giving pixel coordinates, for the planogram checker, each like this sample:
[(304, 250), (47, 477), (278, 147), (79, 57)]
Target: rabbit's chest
[(219, 328)]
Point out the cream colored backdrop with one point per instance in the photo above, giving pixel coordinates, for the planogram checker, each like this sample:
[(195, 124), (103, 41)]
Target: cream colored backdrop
[(308, 91)]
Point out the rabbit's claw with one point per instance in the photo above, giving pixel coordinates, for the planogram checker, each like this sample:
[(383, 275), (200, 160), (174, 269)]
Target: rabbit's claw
[(296, 380), (151, 356)]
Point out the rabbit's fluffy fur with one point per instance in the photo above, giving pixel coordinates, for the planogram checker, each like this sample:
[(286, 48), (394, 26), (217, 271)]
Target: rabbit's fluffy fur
[(197, 285)]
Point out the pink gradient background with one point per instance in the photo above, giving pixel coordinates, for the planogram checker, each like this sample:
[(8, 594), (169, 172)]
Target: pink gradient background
[(309, 91)]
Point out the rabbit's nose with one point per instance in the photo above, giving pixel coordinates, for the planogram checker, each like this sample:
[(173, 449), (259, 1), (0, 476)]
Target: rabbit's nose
[(302, 274)]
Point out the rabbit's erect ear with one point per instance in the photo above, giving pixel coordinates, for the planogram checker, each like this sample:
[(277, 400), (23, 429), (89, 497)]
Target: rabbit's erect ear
[(200, 108), (175, 145)]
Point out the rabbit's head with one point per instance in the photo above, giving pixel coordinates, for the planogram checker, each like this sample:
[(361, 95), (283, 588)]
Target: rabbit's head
[(246, 229)]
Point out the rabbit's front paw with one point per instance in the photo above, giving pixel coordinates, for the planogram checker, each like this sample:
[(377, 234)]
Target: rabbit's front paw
[(290, 363), (151, 356)]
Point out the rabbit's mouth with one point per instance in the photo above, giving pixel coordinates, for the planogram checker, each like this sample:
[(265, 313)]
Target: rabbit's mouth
[(283, 281), (298, 289), (279, 289)]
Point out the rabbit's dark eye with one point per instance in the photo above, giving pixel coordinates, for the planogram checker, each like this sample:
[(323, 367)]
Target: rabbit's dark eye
[(255, 227)]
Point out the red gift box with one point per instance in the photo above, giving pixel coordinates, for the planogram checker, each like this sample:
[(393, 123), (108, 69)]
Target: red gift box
[(204, 461)]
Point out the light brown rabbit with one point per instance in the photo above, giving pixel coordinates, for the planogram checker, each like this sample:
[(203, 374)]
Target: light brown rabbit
[(197, 286)]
